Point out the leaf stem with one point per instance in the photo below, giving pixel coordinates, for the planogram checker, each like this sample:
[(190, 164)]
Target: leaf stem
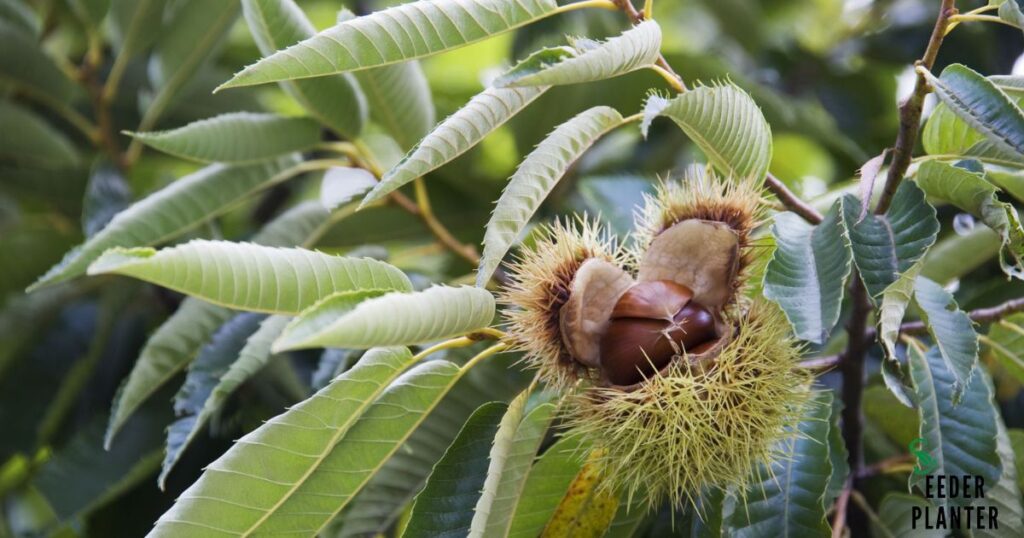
[(600, 4), (672, 79), (479, 357), (910, 110), (360, 153), (955, 20), (442, 234), (637, 17), (462, 341), (980, 315)]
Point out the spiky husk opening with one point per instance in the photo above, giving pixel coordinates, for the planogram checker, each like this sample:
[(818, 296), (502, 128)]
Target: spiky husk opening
[(704, 195), (540, 280), (682, 431)]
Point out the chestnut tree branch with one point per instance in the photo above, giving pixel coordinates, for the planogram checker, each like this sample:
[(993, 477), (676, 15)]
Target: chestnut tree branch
[(637, 17), (791, 201), (910, 110), (981, 315)]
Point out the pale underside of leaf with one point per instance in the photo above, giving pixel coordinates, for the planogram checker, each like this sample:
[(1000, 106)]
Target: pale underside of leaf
[(177, 341), (236, 137), (980, 103), (725, 123), (177, 208), (393, 319), (400, 100), (637, 48), (393, 35), (534, 179), (335, 100), (808, 271), (251, 277), (456, 135)]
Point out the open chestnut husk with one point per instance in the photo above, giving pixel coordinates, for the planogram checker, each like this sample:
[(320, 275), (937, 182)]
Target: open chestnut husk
[(651, 323)]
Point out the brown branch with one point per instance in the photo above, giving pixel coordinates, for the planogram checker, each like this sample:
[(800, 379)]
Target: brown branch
[(852, 367), (839, 517), (822, 363), (636, 17), (791, 201), (910, 111), (981, 315), (883, 466)]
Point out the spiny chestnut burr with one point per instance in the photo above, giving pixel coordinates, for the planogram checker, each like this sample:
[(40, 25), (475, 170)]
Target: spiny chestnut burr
[(652, 322)]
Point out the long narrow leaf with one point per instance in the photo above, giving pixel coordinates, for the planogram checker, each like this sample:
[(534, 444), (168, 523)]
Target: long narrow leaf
[(393, 35), (177, 208), (296, 471), (725, 123), (236, 137), (586, 61), (456, 135), (251, 277), (535, 178), (359, 320), (335, 100)]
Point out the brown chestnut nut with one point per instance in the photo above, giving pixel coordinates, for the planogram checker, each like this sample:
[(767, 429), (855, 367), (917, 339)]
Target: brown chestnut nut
[(651, 323)]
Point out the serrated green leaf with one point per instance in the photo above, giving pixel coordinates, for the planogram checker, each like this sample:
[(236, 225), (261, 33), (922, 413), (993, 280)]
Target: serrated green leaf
[(1004, 495), (294, 473), (546, 484), (31, 141), (807, 273), (24, 64), (886, 246), (946, 134), (177, 341), (175, 209), (838, 455), (361, 321), (393, 35), (960, 438), (895, 299), (166, 352), (536, 176), (1006, 340), (456, 135), (725, 123), (251, 277), (400, 101), (384, 499), (336, 101), (980, 103), (789, 500), (236, 137), (952, 330), (203, 374), (637, 48), (442, 508), (515, 446), (341, 184), (970, 192)]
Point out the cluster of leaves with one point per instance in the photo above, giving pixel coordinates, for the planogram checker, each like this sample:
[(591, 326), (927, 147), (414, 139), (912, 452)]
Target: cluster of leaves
[(278, 206)]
